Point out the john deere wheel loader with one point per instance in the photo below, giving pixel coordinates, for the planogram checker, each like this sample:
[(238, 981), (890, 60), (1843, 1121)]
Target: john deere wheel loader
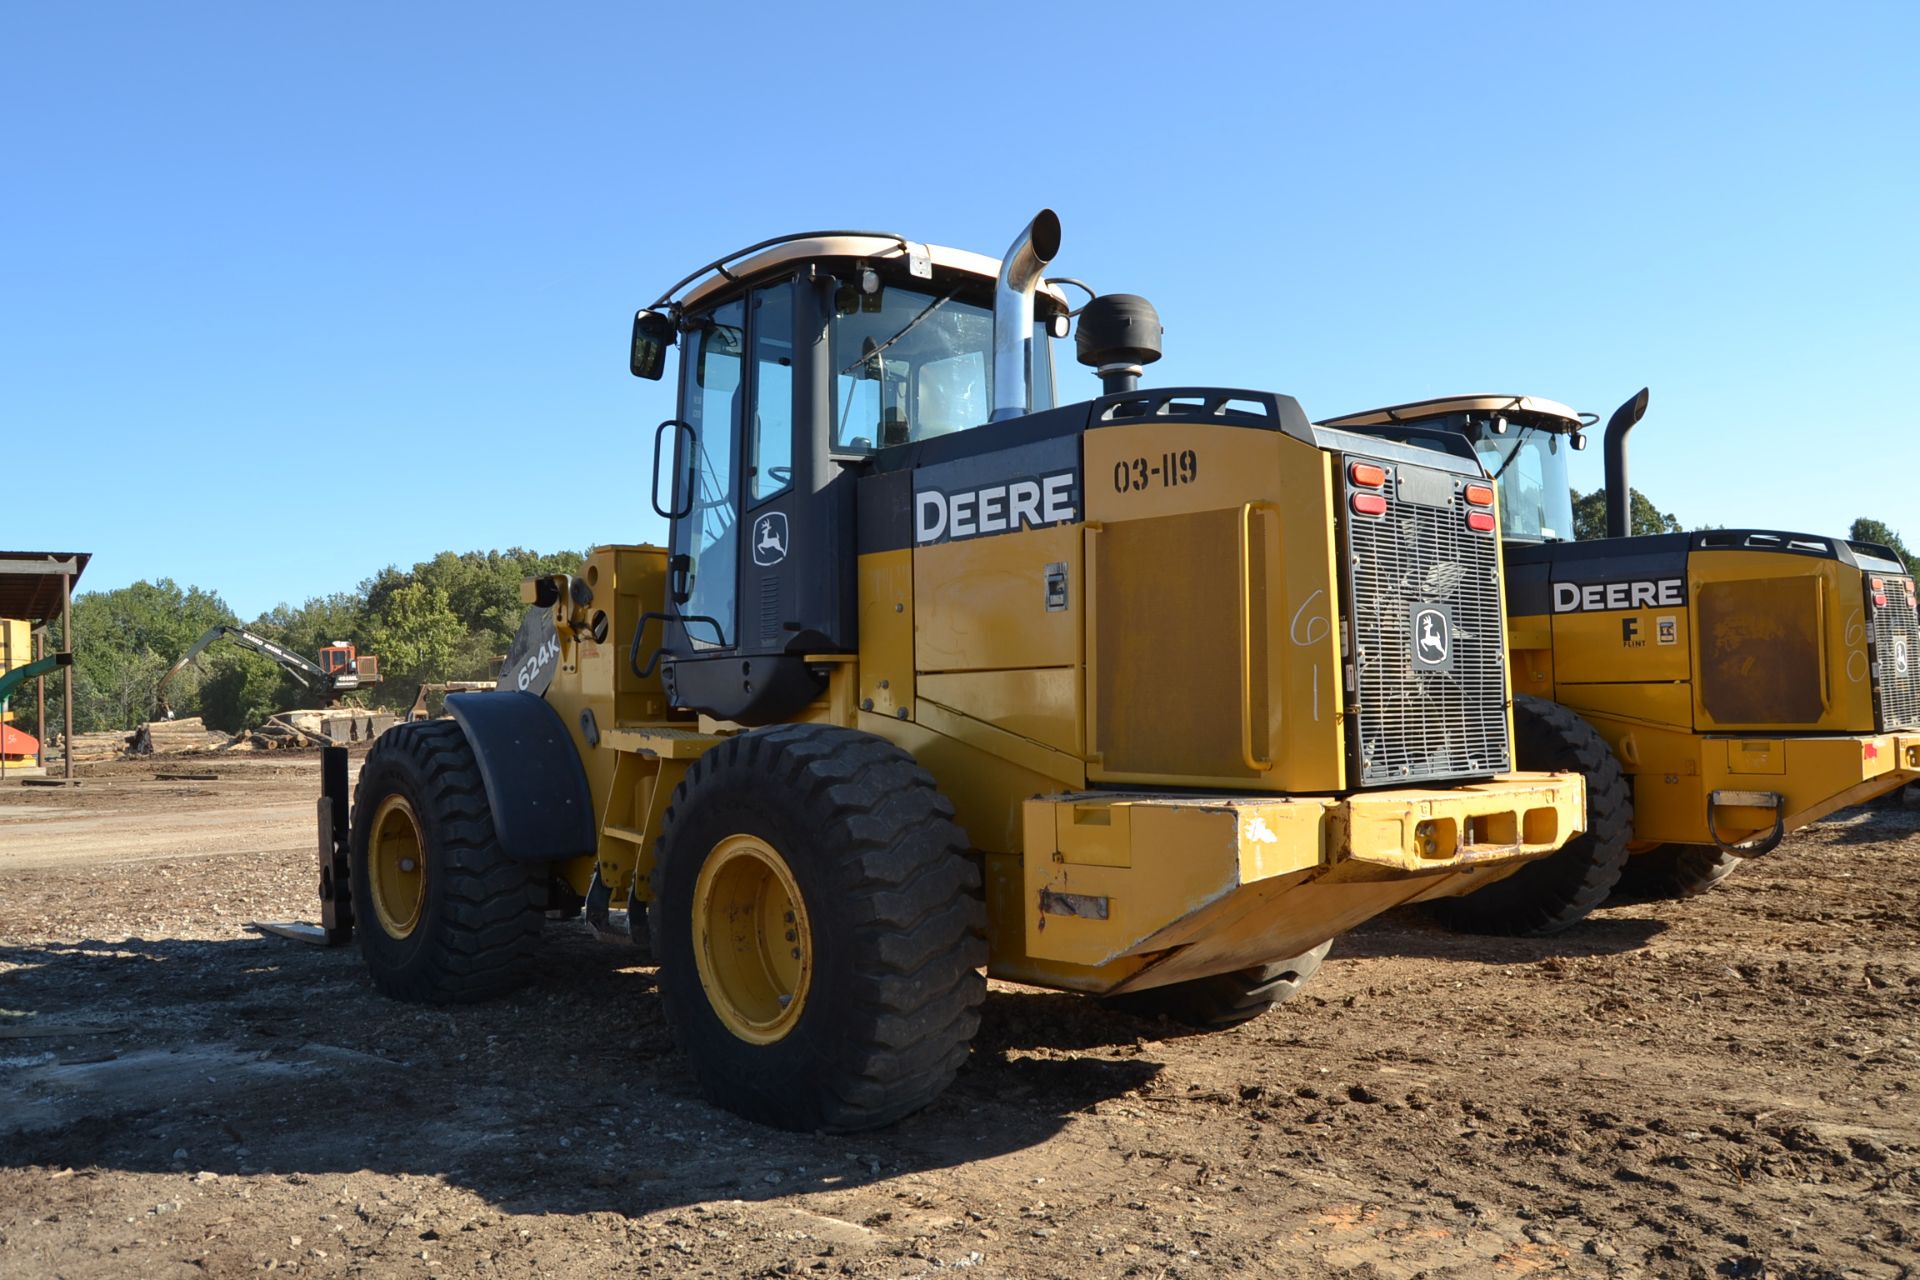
[(1148, 695), (1718, 689)]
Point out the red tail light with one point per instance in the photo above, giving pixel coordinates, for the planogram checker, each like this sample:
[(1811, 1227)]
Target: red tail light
[(1480, 521), (1369, 504), (1480, 495), (1365, 473)]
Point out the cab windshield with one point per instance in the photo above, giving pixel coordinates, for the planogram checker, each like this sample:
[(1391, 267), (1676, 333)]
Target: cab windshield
[(1530, 466), (918, 366)]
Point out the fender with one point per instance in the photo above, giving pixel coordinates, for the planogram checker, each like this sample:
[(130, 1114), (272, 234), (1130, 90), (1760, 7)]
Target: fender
[(536, 787)]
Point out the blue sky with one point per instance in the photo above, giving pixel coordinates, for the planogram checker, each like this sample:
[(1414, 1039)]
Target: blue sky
[(305, 290)]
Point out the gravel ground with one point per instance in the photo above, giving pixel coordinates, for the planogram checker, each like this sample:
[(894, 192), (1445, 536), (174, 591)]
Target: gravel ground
[(1719, 1087)]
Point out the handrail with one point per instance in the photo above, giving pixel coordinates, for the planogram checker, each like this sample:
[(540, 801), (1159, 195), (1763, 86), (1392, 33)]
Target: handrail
[(1247, 757)]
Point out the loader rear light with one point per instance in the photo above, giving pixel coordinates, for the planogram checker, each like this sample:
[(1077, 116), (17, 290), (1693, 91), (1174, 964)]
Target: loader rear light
[(1369, 504), (1480, 521), (1366, 474), (1480, 495)]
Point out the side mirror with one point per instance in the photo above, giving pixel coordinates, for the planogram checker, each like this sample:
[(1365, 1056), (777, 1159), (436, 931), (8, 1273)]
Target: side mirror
[(652, 335)]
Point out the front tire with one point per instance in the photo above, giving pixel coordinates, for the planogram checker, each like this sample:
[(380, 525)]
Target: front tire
[(1558, 891), (819, 926), (1224, 1000), (442, 914)]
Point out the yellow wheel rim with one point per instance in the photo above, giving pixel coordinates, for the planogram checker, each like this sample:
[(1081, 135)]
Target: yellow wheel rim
[(396, 867), (752, 943)]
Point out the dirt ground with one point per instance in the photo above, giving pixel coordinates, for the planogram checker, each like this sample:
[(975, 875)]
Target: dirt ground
[(1719, 1087)]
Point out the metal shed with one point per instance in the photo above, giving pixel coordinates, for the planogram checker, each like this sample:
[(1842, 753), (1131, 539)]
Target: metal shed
[(36, 587)]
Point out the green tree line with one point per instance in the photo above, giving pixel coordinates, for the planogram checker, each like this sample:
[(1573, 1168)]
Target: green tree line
[(448, 618)]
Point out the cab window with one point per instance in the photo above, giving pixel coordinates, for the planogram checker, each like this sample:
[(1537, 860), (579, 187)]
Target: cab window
[(770, 461), (711, 404), (1530, 466), (918, 366)]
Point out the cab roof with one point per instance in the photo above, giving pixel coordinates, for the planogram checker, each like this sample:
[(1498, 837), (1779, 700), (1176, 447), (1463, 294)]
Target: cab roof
[(873, 247), (1562, 417)]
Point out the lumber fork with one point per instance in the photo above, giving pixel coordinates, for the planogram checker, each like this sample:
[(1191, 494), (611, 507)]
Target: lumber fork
[(336, 886)]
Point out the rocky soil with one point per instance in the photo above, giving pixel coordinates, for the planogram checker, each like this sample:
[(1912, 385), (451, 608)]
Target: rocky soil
[(1719, 1087)]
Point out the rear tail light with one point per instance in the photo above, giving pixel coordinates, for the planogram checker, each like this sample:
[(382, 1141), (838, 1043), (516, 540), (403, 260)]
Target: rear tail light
[(1480, 521), (1366, 474), (1369, 504), (1879, 593), (1480, 495)]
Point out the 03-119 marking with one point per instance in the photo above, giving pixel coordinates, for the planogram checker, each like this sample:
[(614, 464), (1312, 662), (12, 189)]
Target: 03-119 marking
[(1169, 469)]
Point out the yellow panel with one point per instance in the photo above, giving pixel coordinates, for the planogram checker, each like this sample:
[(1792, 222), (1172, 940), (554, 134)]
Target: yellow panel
[(1666, 705), (16, 650), (1043, 705), (988, 774), (886, 631), (1166, 638), (1760, 651), (1168, 580), (1780, 642), (1622, 646), (1535, 631), (981, 604)]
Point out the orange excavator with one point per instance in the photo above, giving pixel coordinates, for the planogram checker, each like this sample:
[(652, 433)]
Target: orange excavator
[(340, 669)]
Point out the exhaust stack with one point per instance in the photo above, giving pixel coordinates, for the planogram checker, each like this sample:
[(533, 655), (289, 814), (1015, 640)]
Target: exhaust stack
[(1619, 494), (1020, 270)]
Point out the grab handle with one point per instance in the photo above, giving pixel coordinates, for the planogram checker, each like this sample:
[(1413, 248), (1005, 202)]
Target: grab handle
[(1258, 764)]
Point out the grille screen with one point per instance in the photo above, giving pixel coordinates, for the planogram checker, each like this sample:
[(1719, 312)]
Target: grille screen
[(1417, 576), (1896, 656)]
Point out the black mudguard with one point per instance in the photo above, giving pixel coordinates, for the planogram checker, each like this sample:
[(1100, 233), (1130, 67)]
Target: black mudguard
[(536, 787)]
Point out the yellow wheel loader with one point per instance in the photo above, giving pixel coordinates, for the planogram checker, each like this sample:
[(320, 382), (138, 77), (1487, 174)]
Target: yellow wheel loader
[(1146, 696), (1742, 682)]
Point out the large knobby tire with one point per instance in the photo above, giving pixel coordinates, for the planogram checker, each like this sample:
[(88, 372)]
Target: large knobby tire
[(1673, 871), (819, 926), (1558, 891), (1226, 999), (441, 912)]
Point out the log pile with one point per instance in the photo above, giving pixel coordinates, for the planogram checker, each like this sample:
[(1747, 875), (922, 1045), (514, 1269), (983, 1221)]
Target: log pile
[(92, 747), (280, 731)]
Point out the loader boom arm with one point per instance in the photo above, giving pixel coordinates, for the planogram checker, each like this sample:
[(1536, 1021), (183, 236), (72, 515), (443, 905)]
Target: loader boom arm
[(306, 672)]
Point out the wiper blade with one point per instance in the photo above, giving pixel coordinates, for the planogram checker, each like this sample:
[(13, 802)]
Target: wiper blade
[(908, 328), (1517, 442)]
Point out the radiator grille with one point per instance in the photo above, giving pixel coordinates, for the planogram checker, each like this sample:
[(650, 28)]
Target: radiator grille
[(1409, 722), (1896, 655)]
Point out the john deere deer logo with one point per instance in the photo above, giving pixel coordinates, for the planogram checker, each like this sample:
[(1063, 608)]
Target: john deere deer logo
[(770, 538), (1432, 638)]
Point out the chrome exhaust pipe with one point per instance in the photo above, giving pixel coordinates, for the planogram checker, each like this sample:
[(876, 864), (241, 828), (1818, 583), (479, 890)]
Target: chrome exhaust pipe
[(1020, 270)]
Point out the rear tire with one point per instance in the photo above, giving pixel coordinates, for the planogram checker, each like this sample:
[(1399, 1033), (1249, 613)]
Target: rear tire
[(443, 915), (819, 926), (1558, 891), (1673, 871), (1225, 1000)]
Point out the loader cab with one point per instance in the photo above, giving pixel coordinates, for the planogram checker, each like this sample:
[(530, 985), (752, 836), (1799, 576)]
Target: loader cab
[(797, 367), (1523, 442), (340, 663)]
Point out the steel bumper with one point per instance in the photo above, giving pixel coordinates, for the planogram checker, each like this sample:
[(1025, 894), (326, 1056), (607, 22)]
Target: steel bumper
[(1107, 875)]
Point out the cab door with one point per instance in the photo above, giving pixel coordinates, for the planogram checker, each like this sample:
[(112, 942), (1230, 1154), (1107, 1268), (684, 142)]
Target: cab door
[(705, 539)]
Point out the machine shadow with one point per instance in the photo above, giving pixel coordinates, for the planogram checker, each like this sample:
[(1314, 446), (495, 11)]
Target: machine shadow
[(1410, 932), (260, 1056)]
